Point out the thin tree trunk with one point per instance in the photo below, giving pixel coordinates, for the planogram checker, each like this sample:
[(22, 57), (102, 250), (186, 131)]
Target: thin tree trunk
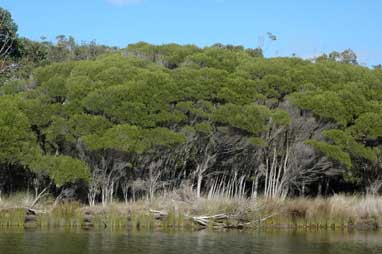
[(256, 186), (199, 185), (39, 196)]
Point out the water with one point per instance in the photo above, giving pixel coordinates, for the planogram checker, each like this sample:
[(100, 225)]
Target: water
[(234, 242)]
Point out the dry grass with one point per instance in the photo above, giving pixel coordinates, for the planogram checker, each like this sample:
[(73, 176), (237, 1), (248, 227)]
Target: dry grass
[(21, 199), (335, 212)]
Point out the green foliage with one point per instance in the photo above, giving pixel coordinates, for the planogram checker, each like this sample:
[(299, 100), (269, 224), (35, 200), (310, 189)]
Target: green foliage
[(257, 141), (42, 75), (8, 32), (346, 142), (61, 169), (148, 99), (77, 126), (239, 91), (14, 87), (171, 55), (280, 117), (17, 142), (78, 87), (39, 112), (55, 89), (218, 58), (196, 84), (204, 128), (133, 139), (8, 26), (251, 118), (367, 126), (326, 105), (332, 151)]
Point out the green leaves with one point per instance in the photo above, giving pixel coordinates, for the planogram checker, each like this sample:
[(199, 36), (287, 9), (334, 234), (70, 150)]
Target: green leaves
[(280, 117), (344, 148), (17, 142), (346, 142), (13, 87), (326, 105), (204, 128), (251, 118), (368, 126), (332, 151), (79, 86), (147, 98), (55, 89), (61, 169), (77, 126), (133, 139), (39, 112)]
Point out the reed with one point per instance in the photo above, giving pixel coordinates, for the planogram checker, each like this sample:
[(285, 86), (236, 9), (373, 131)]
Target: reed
[(333, 213)]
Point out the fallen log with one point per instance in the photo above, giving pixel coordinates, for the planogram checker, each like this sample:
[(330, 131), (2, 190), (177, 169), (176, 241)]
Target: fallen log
[(213, 220), (159, 215), (35, 211)]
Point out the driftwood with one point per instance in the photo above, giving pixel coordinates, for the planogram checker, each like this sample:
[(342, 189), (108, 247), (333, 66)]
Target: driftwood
[(267, 217), (217, 220), (34, 211), (159, 215)]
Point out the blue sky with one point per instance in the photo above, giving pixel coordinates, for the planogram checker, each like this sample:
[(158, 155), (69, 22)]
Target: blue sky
[(304, 27)]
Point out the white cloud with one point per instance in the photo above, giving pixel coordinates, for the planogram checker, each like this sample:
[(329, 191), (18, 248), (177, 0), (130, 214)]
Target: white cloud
[(125, 2)]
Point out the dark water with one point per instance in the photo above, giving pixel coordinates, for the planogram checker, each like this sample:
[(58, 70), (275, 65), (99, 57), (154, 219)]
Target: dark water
[(234, 242)]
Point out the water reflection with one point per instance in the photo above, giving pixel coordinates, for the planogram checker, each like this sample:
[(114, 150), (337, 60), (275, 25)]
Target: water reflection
[(275, 242)]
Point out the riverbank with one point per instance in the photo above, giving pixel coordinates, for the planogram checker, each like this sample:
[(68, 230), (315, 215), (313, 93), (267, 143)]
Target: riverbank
[(171, 212)]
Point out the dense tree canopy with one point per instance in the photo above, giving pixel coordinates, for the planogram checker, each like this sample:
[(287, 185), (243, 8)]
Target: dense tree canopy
[(147, 118)]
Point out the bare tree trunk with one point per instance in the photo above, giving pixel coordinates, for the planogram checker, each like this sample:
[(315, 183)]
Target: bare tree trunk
[(93, 188), (5, 50), (302, 189), (199, 185), (125, 191), (277, 174), (255, 187), (327, 188), (91, 197), (319, 191), (154, 175), (64, 194), (39, 196), (200, 171)]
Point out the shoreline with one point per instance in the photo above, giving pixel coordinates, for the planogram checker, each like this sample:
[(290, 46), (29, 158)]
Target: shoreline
[(334, 213)]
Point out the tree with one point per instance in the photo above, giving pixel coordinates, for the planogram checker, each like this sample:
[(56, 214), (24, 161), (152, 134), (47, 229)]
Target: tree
[(18, 145), (222, 120), (115, 150), (16, 139), (8, 35), (60, 170)]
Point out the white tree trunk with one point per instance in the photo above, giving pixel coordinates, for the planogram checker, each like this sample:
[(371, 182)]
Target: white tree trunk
[(199, 185)]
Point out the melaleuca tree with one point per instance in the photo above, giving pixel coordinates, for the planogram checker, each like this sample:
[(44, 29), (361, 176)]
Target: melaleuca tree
[(58, 171), (121, 148), (200, 150), (8, 36), (151, 116), (17, 140), (217, 58), (18, 145), (169, 55)]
